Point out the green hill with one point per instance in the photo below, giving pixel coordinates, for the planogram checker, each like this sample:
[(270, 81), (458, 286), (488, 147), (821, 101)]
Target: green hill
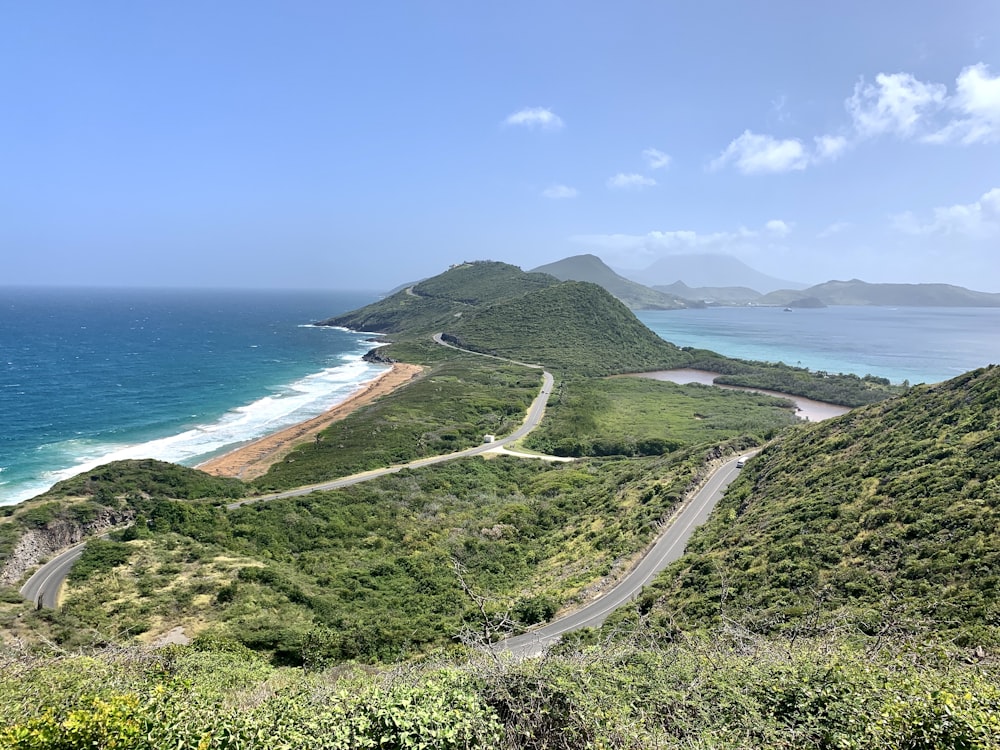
[(574, 326), (890, 515), (426, 306), (593, 269), (856, 292)]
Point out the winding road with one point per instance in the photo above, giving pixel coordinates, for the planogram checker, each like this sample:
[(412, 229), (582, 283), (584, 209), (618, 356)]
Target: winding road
[(667, 548), (43, 587)]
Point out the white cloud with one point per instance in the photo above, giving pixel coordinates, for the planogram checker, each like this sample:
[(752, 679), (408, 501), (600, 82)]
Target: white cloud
[(899, 104), (977, 220), (829, 147), (977, 100), (622, 181), (778, 227), (636, 249), (560, 191), (894, 104), (656, 159), (753, 153), (535, 117)]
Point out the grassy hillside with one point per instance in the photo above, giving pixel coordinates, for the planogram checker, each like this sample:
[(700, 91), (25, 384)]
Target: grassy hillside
[(430, 304), (593, 269), (889, 515), (574, 326), (368, 572)]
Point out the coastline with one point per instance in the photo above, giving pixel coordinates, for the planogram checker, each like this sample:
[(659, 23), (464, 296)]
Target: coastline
[(254, 459)]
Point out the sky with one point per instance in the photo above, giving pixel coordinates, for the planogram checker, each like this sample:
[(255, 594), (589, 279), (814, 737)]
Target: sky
[(362, 145)]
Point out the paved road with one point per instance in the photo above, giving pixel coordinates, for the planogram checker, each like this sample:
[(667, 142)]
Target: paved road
[(669, 547), (44, 586)]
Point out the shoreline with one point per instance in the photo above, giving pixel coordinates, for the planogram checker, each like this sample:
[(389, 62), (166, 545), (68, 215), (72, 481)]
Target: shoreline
[(255, 458), (807, 409)]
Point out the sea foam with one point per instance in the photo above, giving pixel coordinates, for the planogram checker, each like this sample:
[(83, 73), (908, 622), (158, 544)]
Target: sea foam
[(288, 405)]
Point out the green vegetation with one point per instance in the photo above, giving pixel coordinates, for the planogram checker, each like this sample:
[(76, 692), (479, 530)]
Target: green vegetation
[(635, 416), (575, 327), (711, 694), (371, 572), (844, 389), (888, 517), (855, 292), (431, 304), (447, 410), (146, 477)]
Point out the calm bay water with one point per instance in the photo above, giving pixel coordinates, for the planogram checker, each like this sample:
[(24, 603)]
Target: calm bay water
[(88, 376), (91, 375), (921, 345)]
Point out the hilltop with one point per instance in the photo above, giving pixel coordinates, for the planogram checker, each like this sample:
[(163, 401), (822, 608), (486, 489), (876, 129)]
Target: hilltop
[(574, 326), (889, 516), (593, 269), (427, 305)]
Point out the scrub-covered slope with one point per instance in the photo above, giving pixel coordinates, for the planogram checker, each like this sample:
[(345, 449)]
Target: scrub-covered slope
[(890, 513)]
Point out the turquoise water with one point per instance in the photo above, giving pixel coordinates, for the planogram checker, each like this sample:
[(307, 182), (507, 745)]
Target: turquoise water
[(916, 344), (91, 375)]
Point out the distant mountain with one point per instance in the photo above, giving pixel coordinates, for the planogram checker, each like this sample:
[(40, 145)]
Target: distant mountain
[(720, 295), (856, 292), (712, 270), (593, 269)]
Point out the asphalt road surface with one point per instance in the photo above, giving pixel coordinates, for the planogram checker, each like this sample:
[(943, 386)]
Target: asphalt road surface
[(669, 547), (44, 586)]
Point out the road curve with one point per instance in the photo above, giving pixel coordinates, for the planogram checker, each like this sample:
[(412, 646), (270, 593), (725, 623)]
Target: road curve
[(45, 584), (669, 547)]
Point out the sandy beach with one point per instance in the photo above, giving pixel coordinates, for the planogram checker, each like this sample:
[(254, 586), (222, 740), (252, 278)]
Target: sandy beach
[(806, 408), (254, 459)]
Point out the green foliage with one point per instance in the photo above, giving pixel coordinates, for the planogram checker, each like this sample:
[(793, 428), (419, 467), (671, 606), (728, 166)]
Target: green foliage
[(633, 692), (575, 327), (890, 513), (147, 477), (99, 556), (449, 409), (367, 573), (429, 305), (845, 389), (637, 417)]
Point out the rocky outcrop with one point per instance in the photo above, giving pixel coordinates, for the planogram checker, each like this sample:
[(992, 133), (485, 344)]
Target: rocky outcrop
[(378, 357), (37, 545)]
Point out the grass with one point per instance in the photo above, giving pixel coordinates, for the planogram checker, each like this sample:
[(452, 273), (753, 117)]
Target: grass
[(635, 416)]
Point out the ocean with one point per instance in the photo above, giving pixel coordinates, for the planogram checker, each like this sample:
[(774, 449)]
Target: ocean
[(92, 375), (912, 344)]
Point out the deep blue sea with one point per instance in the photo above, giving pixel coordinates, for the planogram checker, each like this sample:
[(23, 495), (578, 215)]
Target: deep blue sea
[(92, 375), (915, 344)]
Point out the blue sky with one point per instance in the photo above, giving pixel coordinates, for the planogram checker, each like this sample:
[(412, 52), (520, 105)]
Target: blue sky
[(337, 144)]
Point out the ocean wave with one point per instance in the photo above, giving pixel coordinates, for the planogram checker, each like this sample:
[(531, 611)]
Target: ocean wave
[(287, 405)]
